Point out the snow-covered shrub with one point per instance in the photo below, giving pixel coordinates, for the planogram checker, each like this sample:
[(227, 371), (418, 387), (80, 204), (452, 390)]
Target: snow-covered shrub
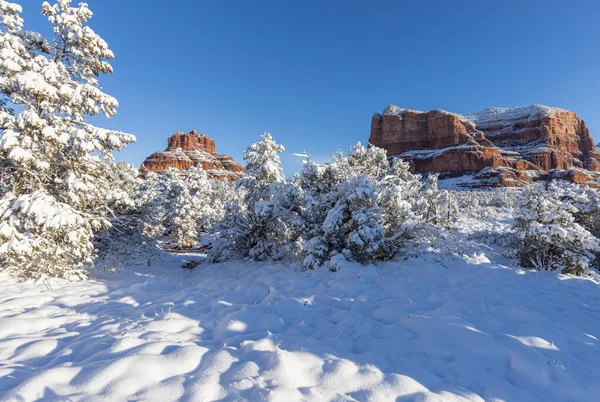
[(287, 208), (441, 205), (56, 168), (181, 205), (484, 204), (208, 196), (124, 242), (253, 226), (155, 196), (588, 206), (184, 228), (587, 202), (585, 199), (548, 236), (360, 207), (485, 217)]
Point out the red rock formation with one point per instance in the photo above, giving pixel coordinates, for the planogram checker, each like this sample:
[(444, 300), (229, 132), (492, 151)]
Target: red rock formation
[(187, 150), (399, 132), (534, 138), (500, 177), (191, 141)]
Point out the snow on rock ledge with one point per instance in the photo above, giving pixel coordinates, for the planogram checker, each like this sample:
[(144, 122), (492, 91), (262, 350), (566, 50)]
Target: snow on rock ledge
[(192, 149), (507, 141)]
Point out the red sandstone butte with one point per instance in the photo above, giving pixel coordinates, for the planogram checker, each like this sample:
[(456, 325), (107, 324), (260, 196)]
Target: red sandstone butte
[(501, 146), (192, 149)]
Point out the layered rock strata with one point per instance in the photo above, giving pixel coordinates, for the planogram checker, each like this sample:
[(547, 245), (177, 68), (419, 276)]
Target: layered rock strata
[(506, 146)]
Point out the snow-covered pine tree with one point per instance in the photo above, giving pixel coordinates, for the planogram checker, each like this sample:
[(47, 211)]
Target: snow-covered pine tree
[(252, 227), (60, 167), (547, 236)]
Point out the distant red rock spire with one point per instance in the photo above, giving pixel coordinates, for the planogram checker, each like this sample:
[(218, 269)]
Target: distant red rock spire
[(192, 149)]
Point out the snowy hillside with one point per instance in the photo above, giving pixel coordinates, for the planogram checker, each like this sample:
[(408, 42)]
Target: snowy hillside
[(467, 330)]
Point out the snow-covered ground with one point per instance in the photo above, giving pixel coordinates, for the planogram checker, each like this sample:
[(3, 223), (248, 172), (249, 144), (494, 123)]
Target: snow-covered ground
[(469, 329)]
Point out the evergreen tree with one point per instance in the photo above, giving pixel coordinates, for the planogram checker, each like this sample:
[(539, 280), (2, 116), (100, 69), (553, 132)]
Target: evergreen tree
[(60, 167), (252, 227)]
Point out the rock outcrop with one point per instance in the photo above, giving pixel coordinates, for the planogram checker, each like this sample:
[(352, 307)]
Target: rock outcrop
[(500, 146), (187, 150)]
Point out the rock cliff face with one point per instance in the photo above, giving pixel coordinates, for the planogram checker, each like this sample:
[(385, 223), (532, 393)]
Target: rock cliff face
[(502, 146), (193, 149)]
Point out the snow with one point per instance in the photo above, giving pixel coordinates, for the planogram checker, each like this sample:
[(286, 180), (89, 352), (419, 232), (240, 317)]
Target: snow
[(391, 110), (457, 183), (430, 153), (36, 84), (499, 114), (47, 211), (20, 154), (490, 116), (467, 329)]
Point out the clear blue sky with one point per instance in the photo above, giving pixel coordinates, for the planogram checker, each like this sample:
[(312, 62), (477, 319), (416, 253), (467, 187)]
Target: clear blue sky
[(313, 72)]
